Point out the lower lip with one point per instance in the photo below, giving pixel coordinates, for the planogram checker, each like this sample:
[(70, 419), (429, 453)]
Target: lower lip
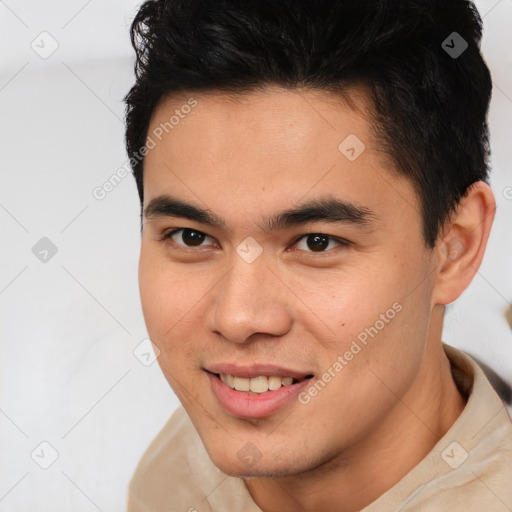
[(244, 405)]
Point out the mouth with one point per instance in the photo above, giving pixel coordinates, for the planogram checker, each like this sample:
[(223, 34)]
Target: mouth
[(260, 384), (256, 392)]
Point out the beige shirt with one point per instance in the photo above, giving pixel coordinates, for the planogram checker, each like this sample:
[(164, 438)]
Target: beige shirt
[(470, 468)]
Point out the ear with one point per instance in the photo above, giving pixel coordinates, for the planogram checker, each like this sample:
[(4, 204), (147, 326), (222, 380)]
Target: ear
[(461, 246)]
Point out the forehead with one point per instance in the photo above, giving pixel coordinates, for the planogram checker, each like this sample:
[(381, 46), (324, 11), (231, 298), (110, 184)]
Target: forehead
[(276, 122), (259, 149)]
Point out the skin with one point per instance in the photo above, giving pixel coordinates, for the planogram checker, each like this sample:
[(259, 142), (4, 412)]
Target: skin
[(245, 158)]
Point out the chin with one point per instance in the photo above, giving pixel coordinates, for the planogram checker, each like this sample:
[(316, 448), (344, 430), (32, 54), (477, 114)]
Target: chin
[(257, 471), (249, 463)]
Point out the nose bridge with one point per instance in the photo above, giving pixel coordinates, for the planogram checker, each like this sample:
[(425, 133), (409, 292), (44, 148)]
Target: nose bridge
[(249, 300)]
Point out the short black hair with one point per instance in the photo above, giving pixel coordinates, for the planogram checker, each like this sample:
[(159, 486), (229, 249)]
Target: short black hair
[(429, 103)]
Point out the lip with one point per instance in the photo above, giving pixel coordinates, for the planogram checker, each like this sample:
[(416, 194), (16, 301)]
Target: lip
[(243, 405), (255, 370)]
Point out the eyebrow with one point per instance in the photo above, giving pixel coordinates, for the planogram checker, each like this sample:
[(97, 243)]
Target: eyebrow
[(326, 209)]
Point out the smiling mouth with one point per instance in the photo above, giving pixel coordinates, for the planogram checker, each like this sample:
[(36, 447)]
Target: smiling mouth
[(258, 385)]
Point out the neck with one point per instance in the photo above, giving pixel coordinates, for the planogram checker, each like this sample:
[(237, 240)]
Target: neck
[(355, 478)]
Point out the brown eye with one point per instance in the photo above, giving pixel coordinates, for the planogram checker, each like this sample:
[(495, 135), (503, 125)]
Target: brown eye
[(318, 242), (187, 237)]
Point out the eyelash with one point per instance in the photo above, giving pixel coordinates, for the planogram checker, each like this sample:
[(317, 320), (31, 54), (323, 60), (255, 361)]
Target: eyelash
[(341, 241)]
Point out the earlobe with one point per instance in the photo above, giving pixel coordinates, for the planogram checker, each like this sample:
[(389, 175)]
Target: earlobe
[(461, 246)]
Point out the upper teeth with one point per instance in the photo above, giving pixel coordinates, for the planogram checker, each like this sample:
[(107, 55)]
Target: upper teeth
[(259, 384)]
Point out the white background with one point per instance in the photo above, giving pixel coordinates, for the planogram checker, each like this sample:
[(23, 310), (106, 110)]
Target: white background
[(70, 325)]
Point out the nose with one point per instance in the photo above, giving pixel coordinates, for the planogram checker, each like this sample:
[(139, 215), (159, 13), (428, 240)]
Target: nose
[(250, 300)]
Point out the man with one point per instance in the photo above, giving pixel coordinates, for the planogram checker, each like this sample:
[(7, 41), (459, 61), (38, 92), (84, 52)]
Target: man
[(313, 183)]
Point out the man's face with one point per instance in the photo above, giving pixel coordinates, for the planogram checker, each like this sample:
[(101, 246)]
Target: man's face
[(339, 299)]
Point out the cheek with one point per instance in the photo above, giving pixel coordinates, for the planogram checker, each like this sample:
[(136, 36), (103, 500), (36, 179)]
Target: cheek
[(172, 305), (371, 310), (345, 302), (166, 295), (390, 330), (152, 294)]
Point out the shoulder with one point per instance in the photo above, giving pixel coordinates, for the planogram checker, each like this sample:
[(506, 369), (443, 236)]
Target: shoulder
[(166, 466), (475, 456), (176, 474), (470, 468)]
